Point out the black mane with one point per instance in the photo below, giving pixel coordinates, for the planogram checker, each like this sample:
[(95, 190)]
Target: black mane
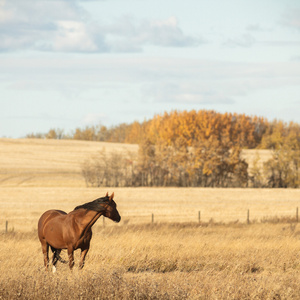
[(94, 205)]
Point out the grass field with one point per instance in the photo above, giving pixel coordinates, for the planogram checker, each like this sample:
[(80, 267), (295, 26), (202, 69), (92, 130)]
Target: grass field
[(222, 257), (22, 206), (166, 261), (36, 162)]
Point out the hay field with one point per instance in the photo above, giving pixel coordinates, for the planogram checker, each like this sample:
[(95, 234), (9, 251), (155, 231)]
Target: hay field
[(174, 258), (22, 206), (166, 261), (36, 175), (36, 162)]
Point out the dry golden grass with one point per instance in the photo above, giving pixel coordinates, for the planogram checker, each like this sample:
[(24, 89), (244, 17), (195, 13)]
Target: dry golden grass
[(22, 206), (166, 261), (36, 162), (174, 258)]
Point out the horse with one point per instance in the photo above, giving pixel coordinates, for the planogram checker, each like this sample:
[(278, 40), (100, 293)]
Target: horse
[(59, 230)]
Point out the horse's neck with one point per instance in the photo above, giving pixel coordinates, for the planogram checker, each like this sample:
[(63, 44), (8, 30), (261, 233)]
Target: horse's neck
[(88, 219)]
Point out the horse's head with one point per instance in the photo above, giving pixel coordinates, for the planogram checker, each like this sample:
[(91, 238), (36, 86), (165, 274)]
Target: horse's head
[(111, 211)]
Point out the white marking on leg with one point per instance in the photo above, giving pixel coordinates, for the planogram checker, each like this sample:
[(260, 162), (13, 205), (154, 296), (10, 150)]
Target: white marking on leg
[(53, 269)]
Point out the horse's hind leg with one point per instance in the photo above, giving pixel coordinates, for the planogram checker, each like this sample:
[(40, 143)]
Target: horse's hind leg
[(56, 258), (45, 249)]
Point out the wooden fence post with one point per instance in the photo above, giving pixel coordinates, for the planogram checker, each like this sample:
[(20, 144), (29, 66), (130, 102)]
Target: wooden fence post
[(152, 218), (199, 216), (297, 214), (248, 217), (6, 226)]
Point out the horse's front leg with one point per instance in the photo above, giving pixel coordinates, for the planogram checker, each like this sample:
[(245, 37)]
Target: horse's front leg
[(82, 257), (71, 257)]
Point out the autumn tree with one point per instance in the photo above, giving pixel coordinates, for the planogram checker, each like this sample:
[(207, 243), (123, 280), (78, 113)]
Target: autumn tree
[(55, 134), (283, 169), (256, 172), (190, 149), (107, 169), (87, 134)]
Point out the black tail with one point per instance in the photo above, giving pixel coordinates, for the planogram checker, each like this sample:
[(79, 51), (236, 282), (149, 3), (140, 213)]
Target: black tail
[(56, 256), (61, 260)]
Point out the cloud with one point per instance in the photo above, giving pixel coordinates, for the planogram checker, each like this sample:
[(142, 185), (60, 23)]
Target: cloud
[(254, 28), (246, 40), (200, 82), (292, 18), (92, 118), (258, 28), (33, 24), (74, 36), (282, 43), (166, 33), (153, 80), (295, 58), (186, 92), (130, 34), (64, 26)]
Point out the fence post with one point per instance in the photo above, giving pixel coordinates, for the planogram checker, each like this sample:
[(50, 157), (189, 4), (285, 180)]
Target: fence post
[(248, 216), (199, 216), (103, 221), (6, 226), (297, 214), (152, 218)]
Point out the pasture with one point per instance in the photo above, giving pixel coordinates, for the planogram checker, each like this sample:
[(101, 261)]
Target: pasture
[(176, 257), (161, 261)]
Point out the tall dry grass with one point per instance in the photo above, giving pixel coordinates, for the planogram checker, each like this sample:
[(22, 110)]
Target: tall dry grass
[(174, 258), (22, 206), (166, 261)]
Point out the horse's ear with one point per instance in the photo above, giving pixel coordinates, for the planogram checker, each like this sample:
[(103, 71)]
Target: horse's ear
[(106, 194), (111, 197)]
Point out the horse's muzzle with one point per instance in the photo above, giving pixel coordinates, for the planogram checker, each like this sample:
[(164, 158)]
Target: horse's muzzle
[(118, 219)]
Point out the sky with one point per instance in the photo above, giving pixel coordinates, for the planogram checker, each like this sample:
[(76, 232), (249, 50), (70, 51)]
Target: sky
[(67, 64)]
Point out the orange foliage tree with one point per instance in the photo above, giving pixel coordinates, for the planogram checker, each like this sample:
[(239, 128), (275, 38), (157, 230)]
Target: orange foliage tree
[(197, 149)]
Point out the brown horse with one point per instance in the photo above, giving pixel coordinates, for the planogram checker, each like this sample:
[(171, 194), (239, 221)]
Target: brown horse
[(72, 231)]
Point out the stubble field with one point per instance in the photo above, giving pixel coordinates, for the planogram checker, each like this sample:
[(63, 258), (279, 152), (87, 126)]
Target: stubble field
[(176, 257)]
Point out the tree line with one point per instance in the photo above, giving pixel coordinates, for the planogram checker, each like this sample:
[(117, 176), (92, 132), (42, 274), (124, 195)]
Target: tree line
[(248, 132), (194, 148)]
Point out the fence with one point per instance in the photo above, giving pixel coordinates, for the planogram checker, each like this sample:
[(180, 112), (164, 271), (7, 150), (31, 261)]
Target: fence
[(198, 219), (247, 217), (156, 218)]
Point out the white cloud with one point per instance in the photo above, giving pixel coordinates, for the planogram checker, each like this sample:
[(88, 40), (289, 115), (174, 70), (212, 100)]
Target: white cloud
[(129, 34), (32, 24), (64, 26), (167, 33), (73, 36), (200, 82), (93, 118), (163, 80)]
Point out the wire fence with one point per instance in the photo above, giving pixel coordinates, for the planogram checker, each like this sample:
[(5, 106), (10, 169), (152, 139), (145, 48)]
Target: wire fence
[(246, 217)]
